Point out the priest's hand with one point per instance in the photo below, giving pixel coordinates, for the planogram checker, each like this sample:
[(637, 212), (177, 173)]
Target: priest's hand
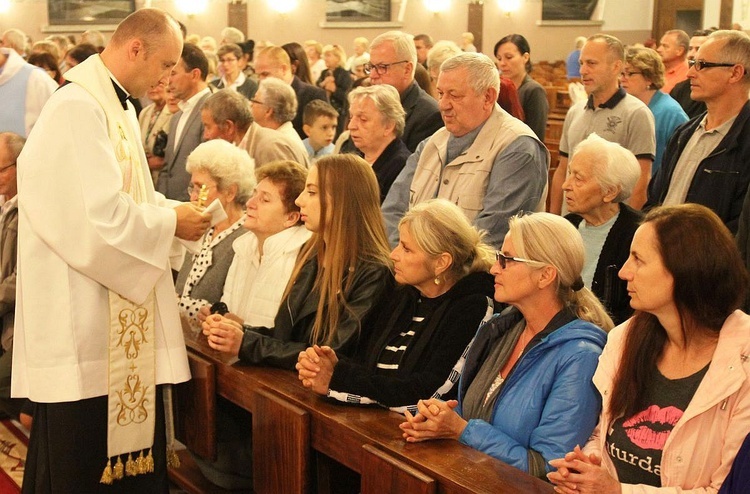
[(224, 334), (192, 222)]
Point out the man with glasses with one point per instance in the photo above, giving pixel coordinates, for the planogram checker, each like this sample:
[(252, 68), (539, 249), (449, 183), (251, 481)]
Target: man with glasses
[(609, 112), (233, 78), (274, 107), (393, 60), (188, 83), (484, 160), (706, 159)]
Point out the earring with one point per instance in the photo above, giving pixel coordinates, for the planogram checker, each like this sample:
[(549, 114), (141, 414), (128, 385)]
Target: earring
[(437, 280)]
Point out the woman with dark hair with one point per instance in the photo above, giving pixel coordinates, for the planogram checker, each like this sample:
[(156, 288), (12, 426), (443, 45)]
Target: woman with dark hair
[(674, 378), (513, 55), (48, 62), (300, 63)]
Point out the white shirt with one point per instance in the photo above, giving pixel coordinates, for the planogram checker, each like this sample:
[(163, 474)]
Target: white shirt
[(187, 108)]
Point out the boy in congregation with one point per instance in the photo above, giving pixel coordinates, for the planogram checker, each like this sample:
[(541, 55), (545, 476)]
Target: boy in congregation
[(319, 124)]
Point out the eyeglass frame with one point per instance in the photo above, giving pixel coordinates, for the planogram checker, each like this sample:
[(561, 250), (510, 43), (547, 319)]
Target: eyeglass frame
[(630, 74), (702, 64), (381, 68), (197, 188), (257, 102), (503, 259)]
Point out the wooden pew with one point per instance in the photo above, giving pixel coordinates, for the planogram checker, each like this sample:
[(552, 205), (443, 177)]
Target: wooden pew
[(291, 425)]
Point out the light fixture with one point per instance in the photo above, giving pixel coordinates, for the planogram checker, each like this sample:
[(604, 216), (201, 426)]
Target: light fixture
[(4, 6), (509, 6), (437, 5), (192, 7), (283, 6)]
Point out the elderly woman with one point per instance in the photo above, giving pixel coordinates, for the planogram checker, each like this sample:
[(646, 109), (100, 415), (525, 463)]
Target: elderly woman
[(375, 128), (602, 176), (219, 172), (336, 81), (525, 394), (643, 77), (513, 55), (419, 332), (674, 378), (263, 261)]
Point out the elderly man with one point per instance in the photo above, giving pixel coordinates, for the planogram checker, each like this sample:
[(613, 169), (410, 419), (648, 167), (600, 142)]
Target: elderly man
[(96, 307), (15, 39), (610, 112), (673, 49), (226, 115), (24, 88), (274, 107), (10, 147), (681, 91), (487, 162), (188, 84), (393, 60), (706, 160), (273, 61)]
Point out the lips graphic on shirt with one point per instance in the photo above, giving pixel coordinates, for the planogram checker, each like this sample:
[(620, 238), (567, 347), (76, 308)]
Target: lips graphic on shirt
[(650, 428)]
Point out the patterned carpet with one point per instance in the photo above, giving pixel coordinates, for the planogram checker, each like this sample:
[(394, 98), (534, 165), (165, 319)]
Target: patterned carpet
[(13, 442)]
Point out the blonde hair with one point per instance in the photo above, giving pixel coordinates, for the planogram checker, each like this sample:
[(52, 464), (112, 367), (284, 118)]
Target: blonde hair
[(439, 226), (551, 239), (338, 51), (351, 232)]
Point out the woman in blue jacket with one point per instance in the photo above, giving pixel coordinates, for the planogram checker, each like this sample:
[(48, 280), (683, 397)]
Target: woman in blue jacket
[(526, 393)]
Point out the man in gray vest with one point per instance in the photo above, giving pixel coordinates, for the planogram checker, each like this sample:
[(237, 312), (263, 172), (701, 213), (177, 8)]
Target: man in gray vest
[(484, 160)]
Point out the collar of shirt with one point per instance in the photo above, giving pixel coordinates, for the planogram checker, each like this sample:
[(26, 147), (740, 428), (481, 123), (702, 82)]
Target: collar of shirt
[(610, 103), (187, 105), (722, 129), (8, 205), (237, 82), (122, 94)]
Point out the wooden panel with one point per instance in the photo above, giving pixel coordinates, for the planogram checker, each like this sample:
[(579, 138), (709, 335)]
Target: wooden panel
[(281, 446), (382, 473), (475, 23), (195, 408), (190, 479), (237, 15)]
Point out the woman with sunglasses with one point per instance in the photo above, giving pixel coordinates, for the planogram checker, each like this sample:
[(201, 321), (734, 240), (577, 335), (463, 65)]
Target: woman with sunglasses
[(526, 394)]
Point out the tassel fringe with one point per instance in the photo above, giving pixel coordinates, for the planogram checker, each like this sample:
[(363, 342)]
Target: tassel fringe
[(132, 467)]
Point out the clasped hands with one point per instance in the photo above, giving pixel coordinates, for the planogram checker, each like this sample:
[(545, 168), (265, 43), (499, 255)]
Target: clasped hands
[(223, 334), (315, 368), (435, 419), (578, 472)]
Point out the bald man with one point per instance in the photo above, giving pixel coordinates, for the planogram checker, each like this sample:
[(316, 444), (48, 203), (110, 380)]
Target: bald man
[(97, 329)]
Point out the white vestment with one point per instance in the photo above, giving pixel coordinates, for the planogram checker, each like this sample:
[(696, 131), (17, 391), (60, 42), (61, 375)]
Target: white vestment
[(80, 236)]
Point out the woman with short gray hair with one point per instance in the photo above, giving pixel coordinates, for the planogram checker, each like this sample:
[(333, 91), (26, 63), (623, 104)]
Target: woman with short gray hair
[(224, 173), (375, 127), (602, 176)]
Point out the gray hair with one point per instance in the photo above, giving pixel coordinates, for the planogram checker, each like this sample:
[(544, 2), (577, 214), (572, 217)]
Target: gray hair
[(94, 37), (481, 71), (403, 45), (233, 35), (16, 38), (615, 168), (681, 37), (227, 164), (227, 104), (13, 143), (280, 98), (440, 52), (387, 101), (615, 48), (736, 48)]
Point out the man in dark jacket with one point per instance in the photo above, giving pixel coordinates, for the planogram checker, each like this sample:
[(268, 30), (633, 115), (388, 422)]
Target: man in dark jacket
[(706, 158)]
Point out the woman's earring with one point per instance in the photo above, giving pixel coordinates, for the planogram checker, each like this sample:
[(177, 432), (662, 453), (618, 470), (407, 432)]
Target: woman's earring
[(437, 280)]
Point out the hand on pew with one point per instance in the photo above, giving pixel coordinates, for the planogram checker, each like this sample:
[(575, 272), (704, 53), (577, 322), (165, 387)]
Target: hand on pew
[(223, 334), (578, 472), (315, 368), (435, 419)]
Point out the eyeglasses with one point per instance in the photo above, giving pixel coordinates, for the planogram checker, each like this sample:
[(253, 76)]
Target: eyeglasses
[(197, 188), (227, 60), (7, 166), (630, 74), (381, 68), (256, 102), (503, 259), (702, 64)]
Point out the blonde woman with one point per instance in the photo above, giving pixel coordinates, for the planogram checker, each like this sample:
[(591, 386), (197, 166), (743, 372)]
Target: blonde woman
[(525, 395), (339, 277), (336, 81)]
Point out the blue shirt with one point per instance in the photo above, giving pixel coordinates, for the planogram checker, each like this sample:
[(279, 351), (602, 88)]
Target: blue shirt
[(668, 115), (573, 65), (324, 151)]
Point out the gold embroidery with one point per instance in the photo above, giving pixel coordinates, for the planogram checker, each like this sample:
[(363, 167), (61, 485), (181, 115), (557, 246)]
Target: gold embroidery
[(133, 327), (132, 402)]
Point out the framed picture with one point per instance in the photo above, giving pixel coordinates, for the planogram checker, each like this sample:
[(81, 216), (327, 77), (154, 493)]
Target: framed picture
[(82, 12), (569, 10), (358, 10)]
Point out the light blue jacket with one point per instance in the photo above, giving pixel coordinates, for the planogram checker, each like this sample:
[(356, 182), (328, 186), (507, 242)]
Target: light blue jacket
[(548, 403)]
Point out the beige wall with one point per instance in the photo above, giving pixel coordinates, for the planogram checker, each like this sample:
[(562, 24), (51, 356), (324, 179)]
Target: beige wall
[(631, 21)]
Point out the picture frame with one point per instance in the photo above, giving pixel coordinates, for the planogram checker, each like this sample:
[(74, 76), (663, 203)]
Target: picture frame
[(365, 11), (88, 12)]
